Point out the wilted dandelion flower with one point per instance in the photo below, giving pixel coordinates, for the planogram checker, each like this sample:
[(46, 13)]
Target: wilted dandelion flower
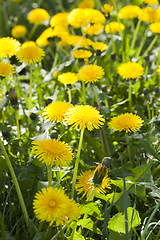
[(85, 183), (67, 78), (114, 27), (150, 14), (28, 44), (91, 73), (151, 2), (107, 8), (86, 4), (130, 12), (126, 122), (81, 54), (59, 19), (6, 69), (31, 54), (8, 47), (130, 70), (50, 150), (53, 205), (38, 16), (19, 31), (155, 27), (84, 116), (55, 112), (99, 46)]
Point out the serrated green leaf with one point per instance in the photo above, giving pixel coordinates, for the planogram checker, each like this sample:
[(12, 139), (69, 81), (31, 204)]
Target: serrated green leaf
[(117, 222), (89, 224)]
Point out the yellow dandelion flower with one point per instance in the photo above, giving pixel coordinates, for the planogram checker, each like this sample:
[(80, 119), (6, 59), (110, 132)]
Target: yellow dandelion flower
[(158, 70), (6, 69), (99, 46), (42, 40), (50, 150), (59, 19), (30, 54), (151, 2), (155, 27), (60, 31), (85, 183), (81, 54), (94, 29), (53, 205), (130, 70), (91, 73), (130, 12), (107, 8), (28, 44), (114, 27), (38, 16), (68, 78), (150, 14), (83, 42), (55, 112), (126, 122), (8, 47), (19, 31), (84, 116), (86, 4), (95, 16)]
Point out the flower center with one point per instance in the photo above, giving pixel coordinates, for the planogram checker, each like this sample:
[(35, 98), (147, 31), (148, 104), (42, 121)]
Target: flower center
[(52, 203)]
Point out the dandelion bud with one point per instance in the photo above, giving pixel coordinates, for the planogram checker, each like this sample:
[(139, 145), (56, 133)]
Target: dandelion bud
[(6, 134), (33, 116), (99, 174), (13, 98), (48, 101), (113, 56)]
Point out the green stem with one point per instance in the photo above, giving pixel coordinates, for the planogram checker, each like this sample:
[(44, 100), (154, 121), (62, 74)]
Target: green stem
[(77, 163), (50, 177), (130, 95), (142, 43), (91, 195), (135, 33), (149, 111), (30, 90), (21, 200), (17, 123), (113, 44), (69, 95), (129, 152), (96, 95), (151, 45), (84, 92), (61, 231), (2, 228), (32, 31), (48, 233)]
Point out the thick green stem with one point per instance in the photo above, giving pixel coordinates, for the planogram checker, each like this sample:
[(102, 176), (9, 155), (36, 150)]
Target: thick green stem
[(61, 231), (69, 95), (130, 95), (135, 33), (112, 40), (50, 177), (91, 195), (84, 92), (142, 44), (2, 227), (17, 123), (96, 95), (129, 151), (151, 45), (30, 91), (77, 163), (21, 200), (32, 31)]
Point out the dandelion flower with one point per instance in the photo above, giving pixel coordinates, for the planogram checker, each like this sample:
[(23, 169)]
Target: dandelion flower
[(114, 27), (150, 14), (85, 183), (86, 4), (19, 31), (31, 54), (79, 40), (28, 44), (55, 112), (53, 205), (8, 47), (130, 12), (126, 122), (50, 150), (84, 116), (68, 78), (130, 70), (38, 16), (155, 27), (94, 29), (81, 54), (99, 46), (107, 8), (6, 69), (151, 2), (91, 73), (59, 19)]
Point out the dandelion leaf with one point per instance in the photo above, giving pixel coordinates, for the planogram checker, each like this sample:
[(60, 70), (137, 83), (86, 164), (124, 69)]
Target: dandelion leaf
[(77, 236), (89, 224), (91, 209)]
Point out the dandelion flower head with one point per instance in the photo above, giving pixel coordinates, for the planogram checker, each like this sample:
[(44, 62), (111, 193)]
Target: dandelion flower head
[(150, 14), (55, 112), (130, 70), (53, 205), (114, 27), (126, 122), (94, 29), (8, 47), (38, 16), (81, 54), (6, 69), (50, 150), (85, 183), (99, 46), (28, 44), (151, 2), (130, 12), (84, 116), (42, 40), (86, 4), (19, 31), (79, 40), (67, 78), (155, 27), (91, 73), (31, 54), (107, 8), (59, 19)]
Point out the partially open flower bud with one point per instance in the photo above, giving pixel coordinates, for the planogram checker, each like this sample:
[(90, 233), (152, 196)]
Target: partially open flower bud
[(99, 174)]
